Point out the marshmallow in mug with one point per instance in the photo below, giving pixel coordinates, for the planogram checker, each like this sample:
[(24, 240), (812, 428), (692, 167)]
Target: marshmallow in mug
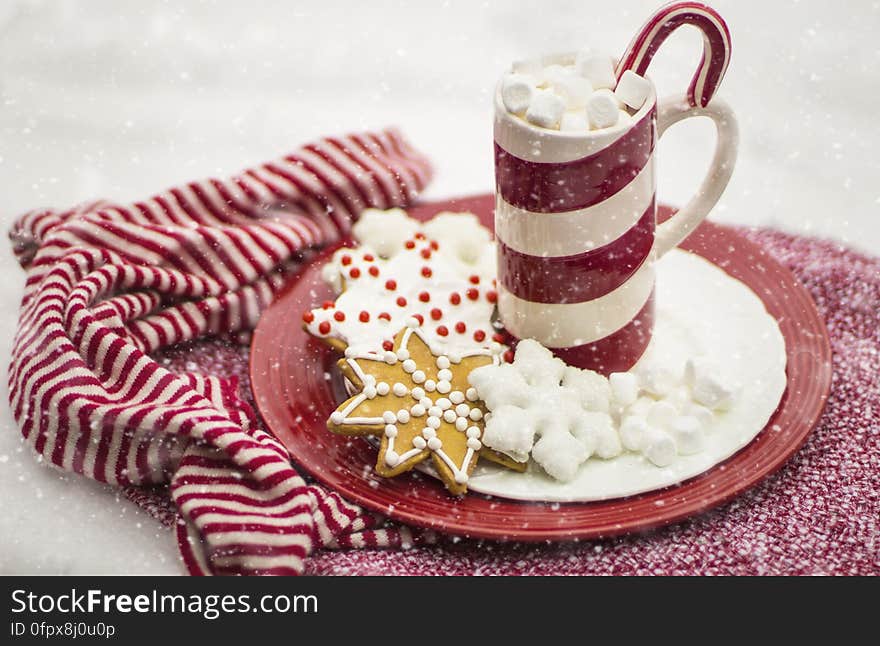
[(573, 98)]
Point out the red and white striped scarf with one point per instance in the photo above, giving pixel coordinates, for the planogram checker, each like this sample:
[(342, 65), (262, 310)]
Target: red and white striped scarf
[(109, 284)]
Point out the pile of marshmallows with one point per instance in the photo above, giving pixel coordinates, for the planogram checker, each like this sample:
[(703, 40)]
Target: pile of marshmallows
[(573, 98), (663, 415), (560, 416)]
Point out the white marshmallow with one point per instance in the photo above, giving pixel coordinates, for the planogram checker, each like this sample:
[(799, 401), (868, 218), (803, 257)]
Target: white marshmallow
[(545, 110), (658, 447), (632, 432), (693, 366), (688, 435), (575, 90), (657, 380), (531, 67), (633, 90), (574, 121), (603, 109), (680, 397), (641, 407), (556, 74), (714, 394), (598, 69), (624, 387), (709, 388), (661, 414), (703, 414), (517, 91)]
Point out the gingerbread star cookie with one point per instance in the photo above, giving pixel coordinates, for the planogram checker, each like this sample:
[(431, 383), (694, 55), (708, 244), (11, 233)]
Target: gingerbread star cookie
[(417, 399)]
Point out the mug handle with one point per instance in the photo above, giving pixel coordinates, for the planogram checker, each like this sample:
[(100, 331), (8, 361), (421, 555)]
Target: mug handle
[(681, 225)]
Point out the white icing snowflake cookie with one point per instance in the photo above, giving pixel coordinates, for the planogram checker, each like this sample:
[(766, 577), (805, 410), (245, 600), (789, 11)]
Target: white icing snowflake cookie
[(543, 408)]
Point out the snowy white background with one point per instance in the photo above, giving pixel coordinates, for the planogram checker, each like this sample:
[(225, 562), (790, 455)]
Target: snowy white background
[(121, 98)]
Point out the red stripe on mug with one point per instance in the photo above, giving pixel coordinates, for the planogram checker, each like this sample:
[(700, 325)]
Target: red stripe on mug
[(617, 352), (581, 277), (567, 186)]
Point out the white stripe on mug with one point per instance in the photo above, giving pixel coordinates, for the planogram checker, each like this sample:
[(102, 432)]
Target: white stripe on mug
[(567, 325), (574, 232)]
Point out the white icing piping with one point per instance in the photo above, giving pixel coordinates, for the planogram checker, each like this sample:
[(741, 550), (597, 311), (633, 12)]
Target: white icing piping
[(460, 473)]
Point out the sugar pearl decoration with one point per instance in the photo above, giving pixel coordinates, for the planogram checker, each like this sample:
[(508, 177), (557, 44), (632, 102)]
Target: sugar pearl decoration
[(463, 410), (388, 417), (456, 396), (433, 422), (409, 366), (419, 442), (403, 416), (444, 403), (391, 458), (430, 385), (449, 416), (370, 392), (444, 387), (418, 410), (461, 424), (473, 432), (418, 376), (383, 388), (471, 394), (403, 354), (418, 393), (435, 411), (443, 363), (445, 374), (428, 433), (390, 358), (400, 390), (427, 402), (435, 444), (474, 444), (391, 431), (476, 414)]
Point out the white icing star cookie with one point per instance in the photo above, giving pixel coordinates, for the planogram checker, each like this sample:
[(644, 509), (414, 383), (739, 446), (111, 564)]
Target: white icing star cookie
[(445, 283)]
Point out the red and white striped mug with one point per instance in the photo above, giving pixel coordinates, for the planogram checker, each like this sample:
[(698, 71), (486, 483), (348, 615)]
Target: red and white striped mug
[(575, 221)]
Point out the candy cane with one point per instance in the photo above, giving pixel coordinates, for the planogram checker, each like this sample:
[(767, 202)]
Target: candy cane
[(716, 46)]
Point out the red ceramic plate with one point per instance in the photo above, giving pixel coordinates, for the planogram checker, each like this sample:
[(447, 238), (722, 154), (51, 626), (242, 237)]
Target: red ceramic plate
[(296, 388)]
